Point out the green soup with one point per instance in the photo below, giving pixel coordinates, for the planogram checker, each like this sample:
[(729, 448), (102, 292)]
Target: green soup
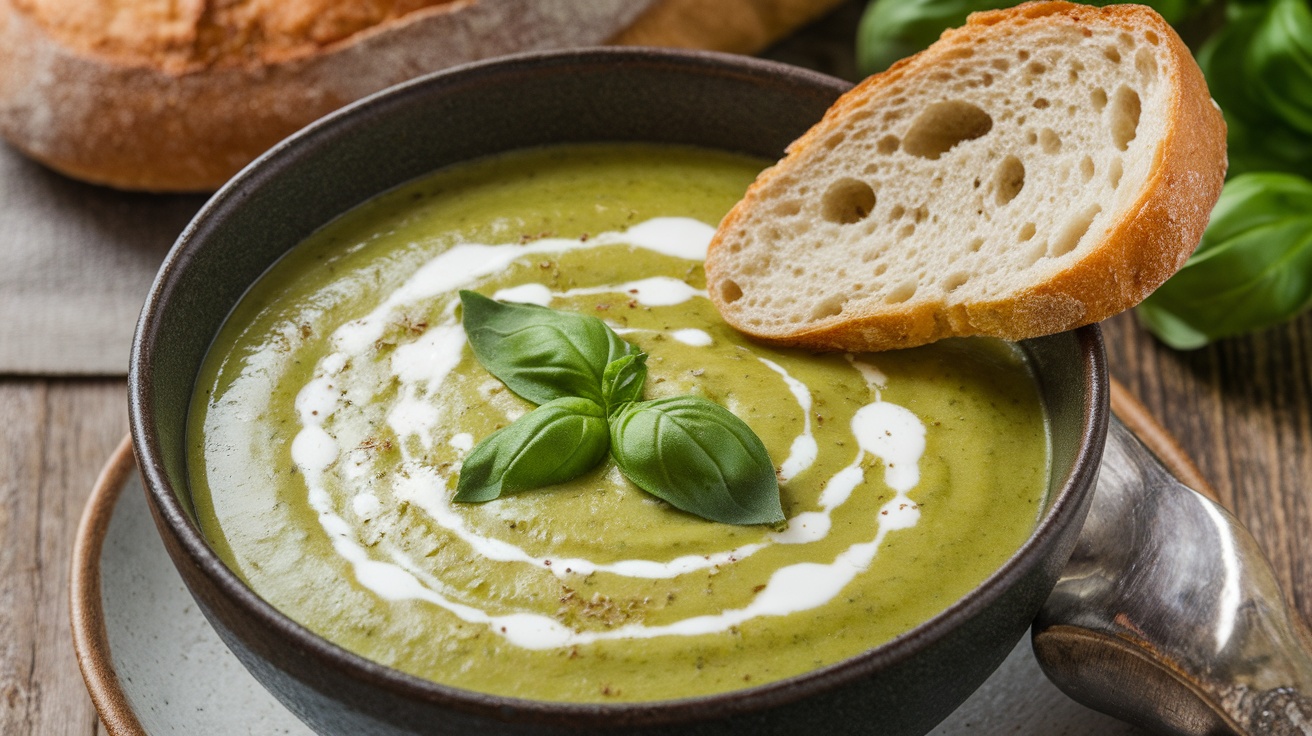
[(337, 403)]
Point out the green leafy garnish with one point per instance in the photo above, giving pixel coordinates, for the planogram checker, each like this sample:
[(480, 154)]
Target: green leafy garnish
[(541, 354), (699, 457), (1252, 270), (558, 441), (688, 451)]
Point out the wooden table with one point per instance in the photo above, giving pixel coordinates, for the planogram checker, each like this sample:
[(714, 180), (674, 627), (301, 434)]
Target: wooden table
[(1242, 409)]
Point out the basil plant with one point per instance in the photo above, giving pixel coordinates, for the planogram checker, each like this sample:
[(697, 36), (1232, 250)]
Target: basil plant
[(1253, 269), (688, 451)]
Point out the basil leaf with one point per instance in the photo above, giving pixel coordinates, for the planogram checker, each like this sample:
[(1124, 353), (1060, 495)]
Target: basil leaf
[(892, 29), (1253, 269), (623, 380), (699, 457), (1258, 138), (556, 442), (539, 353), (1280, 61)]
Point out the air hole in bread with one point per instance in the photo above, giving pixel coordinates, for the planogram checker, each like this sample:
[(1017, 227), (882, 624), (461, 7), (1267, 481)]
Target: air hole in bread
[(887, 144), (1146, 63), (1050, 141), (1040, 103), (987, 79), (1099, 98), (847, 201), (896, 213), (955, 281), (1069, 237), (1125, 40), (1008, 180), (1001, 65), (831, 306), (1086, 168), (1036, 68), (788, 208), (1035, 252), (1031, 137), (907, 230), (730, 291), (835, 140), (976, 245), (1023, 55), (920, 213), (1152, 38), (880, 269), (1113, 54), (944, 125), (1026, 231), (901, 292), (1114, 173), (1125, 117)]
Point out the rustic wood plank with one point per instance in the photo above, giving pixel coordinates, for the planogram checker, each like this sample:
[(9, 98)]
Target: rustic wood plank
[(23, 408), (54, 438), (86, 421)]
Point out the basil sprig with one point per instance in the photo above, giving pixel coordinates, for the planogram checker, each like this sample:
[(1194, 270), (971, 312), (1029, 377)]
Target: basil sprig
[(1259, 69), (1252, 270), (686, 450)]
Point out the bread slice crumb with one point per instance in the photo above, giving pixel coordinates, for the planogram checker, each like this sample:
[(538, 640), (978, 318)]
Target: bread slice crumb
[(1041, 168)]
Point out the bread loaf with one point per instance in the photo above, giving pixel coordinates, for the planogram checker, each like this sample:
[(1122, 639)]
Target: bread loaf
[(1038, 169), (169, 95), (177, 96)]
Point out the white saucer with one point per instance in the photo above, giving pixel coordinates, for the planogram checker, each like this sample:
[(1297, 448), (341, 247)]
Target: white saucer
[(153, 665)]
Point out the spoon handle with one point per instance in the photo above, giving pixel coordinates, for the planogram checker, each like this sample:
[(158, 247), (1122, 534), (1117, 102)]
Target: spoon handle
[(1169, 616)]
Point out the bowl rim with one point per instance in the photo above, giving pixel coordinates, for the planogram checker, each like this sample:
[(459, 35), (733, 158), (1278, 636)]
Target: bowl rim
[(173, 520)]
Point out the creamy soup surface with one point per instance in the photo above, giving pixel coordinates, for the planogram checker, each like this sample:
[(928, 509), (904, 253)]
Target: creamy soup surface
[(336, 405)]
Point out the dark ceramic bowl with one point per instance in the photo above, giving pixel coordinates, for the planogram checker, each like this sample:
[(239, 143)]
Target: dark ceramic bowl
[(716, 101)]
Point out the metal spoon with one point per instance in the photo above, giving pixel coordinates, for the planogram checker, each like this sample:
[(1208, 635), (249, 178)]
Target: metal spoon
[(1168, 615)]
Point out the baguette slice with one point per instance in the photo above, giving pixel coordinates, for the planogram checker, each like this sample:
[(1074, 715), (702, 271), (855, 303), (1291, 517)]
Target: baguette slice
[(1039, 169)]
